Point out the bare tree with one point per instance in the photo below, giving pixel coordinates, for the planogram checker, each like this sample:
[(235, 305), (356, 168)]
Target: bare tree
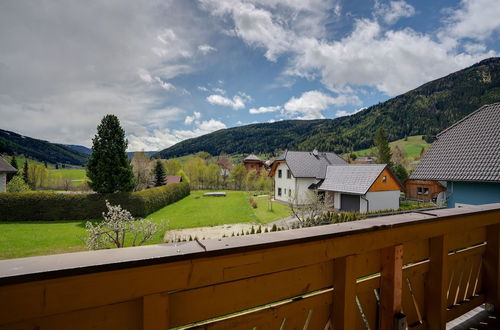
[(142, 168), (117, 226), (309, 210)]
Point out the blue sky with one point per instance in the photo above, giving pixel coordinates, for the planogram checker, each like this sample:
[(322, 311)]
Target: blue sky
[(177, 69)]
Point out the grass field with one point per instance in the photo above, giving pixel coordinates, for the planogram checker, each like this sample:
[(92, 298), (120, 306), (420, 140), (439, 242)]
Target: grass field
[(413, 147), (23, 239), (77, 175)]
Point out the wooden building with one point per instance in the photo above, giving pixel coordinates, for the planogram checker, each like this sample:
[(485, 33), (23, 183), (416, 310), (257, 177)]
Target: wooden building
[(254, 163), (424, 190)]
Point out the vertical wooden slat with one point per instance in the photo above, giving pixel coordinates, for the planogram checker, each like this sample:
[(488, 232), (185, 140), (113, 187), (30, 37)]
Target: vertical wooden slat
[(491, 273), (391, 285), (344, 294), (155, 312), (437, 285)]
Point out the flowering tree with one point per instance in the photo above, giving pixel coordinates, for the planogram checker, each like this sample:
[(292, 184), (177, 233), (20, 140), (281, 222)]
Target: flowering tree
[(118, 228)]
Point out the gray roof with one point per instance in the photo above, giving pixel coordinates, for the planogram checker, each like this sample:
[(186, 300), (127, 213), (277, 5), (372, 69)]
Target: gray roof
[(352, 179), (6, 167), (305, 164), (252, 157), (466, 151)]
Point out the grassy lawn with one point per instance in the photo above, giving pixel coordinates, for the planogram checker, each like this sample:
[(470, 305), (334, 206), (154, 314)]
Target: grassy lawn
[(413, 147), (77, 175), (197, 211), (24, 239)]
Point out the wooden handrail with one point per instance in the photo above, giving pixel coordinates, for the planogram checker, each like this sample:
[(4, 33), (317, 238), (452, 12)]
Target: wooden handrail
[(354, 275)]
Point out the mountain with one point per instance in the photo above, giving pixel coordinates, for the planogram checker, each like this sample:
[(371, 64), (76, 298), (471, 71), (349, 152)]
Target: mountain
[(82, 149), (425, 110), (130, 154), (13, 143)]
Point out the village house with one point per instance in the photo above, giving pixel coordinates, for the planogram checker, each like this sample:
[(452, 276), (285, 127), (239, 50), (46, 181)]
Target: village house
[(5, 168), (425, 190), (467, 156), (170, 179), (297, 173), (361, 188), (253, 163)]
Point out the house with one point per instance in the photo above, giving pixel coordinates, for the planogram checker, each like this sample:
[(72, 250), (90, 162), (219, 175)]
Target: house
[(5, 168), (361, 188), (424, 190), (467, 156), (364, 160), (297, 173), (169, 179), (253, 163)]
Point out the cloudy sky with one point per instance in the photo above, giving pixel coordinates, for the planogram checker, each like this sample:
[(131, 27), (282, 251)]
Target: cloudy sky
[(176, 69)]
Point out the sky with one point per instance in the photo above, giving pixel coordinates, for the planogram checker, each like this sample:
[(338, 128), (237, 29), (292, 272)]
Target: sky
[(176, 69)]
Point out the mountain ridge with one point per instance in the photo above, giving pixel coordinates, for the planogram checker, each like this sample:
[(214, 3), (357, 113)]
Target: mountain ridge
[(425, 110)]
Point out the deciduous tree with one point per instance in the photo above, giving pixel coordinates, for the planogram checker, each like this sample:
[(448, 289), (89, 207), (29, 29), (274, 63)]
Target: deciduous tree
[(141, 166)]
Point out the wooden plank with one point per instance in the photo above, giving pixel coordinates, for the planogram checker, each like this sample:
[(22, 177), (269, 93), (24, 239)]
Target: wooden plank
[(367, 263), (155, 312), (369, 307), (216, 300), (344, 294), (491, 263), (123, 316), (462, 239), (414, 297), (308, 313), (391, 285), (415, 251), (436, 281), (464, 307), (43, 298)]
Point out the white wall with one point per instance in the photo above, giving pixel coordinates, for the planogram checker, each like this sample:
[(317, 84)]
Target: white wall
[(336, 200), (3, 182), (287, 186), (381, 200), (303, 191)]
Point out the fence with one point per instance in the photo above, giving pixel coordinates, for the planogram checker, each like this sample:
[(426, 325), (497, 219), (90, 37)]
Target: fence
[(425, 269)]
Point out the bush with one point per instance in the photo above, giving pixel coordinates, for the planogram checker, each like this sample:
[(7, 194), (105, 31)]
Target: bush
[(46, 206)]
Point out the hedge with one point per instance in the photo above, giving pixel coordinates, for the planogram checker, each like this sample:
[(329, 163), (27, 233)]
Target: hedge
[(47, 206)]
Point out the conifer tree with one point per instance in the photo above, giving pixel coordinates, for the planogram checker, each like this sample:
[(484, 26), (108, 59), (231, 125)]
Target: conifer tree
[(382, 145), (159, 174), (108, 167), (13, 162), (25, 171)]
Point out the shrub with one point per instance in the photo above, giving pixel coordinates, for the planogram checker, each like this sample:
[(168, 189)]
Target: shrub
[(17, 184), (252, 203), (46, 206)]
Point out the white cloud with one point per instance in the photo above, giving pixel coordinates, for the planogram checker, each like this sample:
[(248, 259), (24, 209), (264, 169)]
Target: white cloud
[(390, 60), (393, 11), (476, 19), (164, 138), (205, 49), (255, 111), (219, 90), (202, 88), (237, 102), (165, 85), (342, 113), (190, 119), (311, 104)]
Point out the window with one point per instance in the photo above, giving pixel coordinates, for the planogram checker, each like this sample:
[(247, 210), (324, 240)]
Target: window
[(289, 192), (284, 191), (279, 173), (279, 191), (288, 174), (384, 179), (426, 191)]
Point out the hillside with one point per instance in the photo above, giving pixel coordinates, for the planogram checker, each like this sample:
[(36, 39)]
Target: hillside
[(82, 149), (13, 143), (425, 110)]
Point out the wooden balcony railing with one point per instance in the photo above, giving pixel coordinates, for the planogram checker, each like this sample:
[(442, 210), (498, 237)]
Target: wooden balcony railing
[(422, 268)]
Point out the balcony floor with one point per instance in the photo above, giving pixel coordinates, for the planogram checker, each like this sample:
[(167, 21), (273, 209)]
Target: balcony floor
[(476, 319)]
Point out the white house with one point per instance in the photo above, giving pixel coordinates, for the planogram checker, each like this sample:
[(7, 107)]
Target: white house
[(4, 169), (361, 188), (296, 173)]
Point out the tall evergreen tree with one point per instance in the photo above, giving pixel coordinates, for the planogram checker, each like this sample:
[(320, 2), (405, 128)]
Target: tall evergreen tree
[(13, 162), (108, 167), (159, 174), (25, 171), (382, 145)]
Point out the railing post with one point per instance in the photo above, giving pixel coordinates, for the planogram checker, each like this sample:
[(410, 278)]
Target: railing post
[(437, 283), (491, 262), (155, 312), (391, 285), (344, 294)]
